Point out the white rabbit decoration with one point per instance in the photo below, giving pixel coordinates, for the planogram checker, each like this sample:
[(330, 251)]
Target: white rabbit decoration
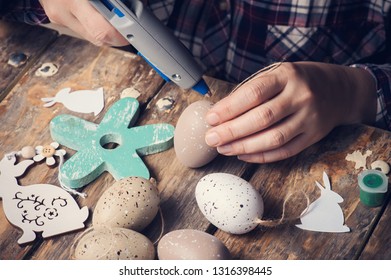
[(324, 214), (81, 101), (37, 208)]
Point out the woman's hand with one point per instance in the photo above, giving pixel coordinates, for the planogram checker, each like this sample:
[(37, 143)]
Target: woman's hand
[(82, 18), (283, 111)]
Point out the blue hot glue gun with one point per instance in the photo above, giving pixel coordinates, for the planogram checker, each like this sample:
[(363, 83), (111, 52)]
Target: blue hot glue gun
[(154, 42)]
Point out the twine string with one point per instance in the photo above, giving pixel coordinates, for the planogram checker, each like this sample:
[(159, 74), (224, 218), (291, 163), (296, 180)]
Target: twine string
[(162, 227), (284, 219), (264, 70)]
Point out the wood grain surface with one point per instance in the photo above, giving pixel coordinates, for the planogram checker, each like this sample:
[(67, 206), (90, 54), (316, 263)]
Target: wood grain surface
[(20, 38), (24, 121)]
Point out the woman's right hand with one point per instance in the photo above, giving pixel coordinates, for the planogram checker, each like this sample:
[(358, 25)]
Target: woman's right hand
[(81, 17)]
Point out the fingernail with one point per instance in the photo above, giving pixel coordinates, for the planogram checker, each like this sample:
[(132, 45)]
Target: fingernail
[(212, 138), (212, 118), (244, 157), (225, 149)]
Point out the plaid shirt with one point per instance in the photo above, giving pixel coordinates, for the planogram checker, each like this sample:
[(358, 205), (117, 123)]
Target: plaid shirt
[(234, 38), (28, 11)]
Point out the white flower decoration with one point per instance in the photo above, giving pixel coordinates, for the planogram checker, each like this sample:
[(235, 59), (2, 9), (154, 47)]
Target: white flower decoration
[(48, 152)]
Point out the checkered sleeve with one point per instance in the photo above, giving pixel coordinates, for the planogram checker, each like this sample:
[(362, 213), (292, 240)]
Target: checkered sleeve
[(28, 11), (382, 76)]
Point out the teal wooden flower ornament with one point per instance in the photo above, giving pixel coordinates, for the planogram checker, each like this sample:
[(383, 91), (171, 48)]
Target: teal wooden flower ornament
[(91, 140)]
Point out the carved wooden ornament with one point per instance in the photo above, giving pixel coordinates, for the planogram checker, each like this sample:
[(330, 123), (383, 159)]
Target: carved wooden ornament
[(37, 208), (92, 142)]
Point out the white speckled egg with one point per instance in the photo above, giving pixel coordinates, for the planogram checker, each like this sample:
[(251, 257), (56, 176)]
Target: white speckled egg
[(189, 244), (229, 202), (189, 136), (114, 244), (131, 203)]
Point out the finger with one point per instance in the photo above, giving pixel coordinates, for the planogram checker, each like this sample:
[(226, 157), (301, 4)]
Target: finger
[(253, 121), (246, 97), (99, 30), (270, 139), (69, 21), (61, 14), (292, 148)]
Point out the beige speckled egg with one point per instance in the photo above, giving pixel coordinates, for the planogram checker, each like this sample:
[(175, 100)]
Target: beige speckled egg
[(189, 136), (131, 203), (229, 202), (114, 244), (189, 244)]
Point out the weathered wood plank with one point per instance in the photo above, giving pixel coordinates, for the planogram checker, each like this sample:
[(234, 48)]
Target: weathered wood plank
[(20, 38), (378, 247), (26, 122), (274, 181)]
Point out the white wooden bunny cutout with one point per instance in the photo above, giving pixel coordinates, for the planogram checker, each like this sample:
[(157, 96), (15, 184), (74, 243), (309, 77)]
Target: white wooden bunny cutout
[(324, 214), (37, 208), (81, 101)]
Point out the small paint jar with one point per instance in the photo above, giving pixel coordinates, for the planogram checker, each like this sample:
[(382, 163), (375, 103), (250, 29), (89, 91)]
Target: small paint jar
[(373, 187)]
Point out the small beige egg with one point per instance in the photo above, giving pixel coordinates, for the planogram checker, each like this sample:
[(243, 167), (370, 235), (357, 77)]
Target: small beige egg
[(189, 244), (189, 136), (114, 244), (131, 203)]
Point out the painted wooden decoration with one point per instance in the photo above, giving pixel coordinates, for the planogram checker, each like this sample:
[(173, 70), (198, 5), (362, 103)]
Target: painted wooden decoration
[(48, 152), (91, 141), (37, 208), (324, 214), (81, 101)]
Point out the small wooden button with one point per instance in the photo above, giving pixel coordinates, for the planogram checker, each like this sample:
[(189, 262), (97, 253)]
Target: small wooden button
[(48, 151)]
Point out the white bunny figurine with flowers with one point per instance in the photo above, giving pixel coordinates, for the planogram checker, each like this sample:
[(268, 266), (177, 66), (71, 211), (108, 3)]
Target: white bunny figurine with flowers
[(324, 214)]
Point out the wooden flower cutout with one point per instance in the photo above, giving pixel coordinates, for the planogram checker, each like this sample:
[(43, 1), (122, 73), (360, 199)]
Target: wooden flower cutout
[(48, 152), (115, 145)]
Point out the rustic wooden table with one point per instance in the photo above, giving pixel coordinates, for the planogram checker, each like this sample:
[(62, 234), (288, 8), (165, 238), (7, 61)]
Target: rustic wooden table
[(24, 121)]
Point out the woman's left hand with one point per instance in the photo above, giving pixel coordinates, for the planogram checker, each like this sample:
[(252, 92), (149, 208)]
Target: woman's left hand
[(283, 111)]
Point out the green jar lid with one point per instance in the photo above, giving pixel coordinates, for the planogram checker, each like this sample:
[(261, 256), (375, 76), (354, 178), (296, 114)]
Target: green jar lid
[(373, 187)]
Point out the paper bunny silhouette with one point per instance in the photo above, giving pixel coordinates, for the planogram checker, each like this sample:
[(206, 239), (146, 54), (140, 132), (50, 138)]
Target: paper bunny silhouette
[(324, 214), (81, 101)]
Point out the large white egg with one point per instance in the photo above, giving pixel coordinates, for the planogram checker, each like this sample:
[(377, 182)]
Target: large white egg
[(189, 136), (229, 202)]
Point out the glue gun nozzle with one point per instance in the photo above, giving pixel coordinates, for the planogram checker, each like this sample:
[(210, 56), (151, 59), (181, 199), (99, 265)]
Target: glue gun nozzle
[(202, 88)]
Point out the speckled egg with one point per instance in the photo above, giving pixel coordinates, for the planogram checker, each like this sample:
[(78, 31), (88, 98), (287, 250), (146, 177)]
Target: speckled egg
[(131, 203), (229, 202), (189, 136), (114, 244), (189, 244)]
